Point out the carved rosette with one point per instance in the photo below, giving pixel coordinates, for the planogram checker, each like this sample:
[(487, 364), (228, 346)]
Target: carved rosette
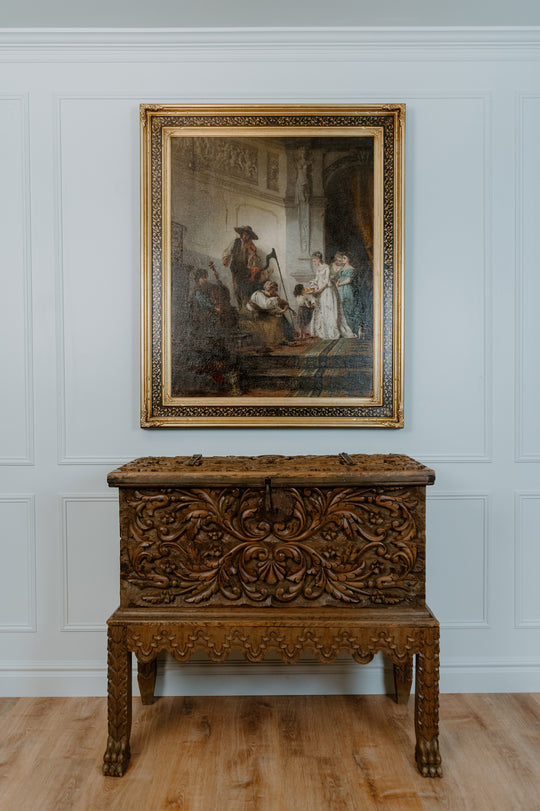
[(344, 545)]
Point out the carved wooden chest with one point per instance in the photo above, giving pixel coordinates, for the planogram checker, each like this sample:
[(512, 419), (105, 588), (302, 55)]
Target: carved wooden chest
[(307, 553)]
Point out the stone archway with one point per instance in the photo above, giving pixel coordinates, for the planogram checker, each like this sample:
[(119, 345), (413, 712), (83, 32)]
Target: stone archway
[(348, 226)]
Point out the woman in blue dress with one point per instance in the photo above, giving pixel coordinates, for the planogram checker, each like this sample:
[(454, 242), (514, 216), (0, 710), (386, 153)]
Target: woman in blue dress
[(345, 276)]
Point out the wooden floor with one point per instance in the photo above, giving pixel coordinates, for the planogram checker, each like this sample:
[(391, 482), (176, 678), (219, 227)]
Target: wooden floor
[(299, 752)]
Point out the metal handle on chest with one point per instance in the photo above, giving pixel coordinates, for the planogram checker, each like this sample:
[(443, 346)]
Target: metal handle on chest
[(268, 503), (277, 506)]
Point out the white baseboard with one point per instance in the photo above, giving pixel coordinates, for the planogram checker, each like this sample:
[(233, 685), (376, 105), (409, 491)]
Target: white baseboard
[(199, 678)]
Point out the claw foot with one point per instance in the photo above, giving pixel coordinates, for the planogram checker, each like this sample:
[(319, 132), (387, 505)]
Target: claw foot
[(428, 758), (116, 758)]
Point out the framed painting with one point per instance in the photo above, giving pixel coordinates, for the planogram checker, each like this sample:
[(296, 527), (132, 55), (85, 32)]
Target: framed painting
[(272, 268)]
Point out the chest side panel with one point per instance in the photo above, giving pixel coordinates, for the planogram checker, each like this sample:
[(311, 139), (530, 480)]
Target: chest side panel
[(218, 546)]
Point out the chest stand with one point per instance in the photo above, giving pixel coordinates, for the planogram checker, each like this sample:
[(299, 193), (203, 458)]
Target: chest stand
[(321, 569)]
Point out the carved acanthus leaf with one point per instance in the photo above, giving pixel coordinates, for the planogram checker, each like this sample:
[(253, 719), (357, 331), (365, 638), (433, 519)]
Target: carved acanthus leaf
[(349, 544)]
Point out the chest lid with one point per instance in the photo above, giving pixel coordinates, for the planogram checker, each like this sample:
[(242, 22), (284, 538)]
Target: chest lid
[(342, 468)]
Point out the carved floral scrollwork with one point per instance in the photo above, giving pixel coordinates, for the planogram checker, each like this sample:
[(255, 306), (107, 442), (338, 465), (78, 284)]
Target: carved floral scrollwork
[(345, 544)]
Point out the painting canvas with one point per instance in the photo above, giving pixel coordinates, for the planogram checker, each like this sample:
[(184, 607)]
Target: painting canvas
[(272, 266)]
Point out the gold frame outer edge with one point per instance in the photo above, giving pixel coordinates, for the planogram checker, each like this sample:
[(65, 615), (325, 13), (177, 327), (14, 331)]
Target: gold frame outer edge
[(148, 420)]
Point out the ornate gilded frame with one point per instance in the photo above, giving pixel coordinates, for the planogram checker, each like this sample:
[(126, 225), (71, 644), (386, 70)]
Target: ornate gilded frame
[(168, 134)]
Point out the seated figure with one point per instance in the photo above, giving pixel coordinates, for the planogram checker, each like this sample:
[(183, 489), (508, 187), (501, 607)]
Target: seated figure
[(268, 323)]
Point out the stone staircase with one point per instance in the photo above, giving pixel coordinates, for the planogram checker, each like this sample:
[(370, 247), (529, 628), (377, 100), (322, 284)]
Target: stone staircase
[(315, 368)]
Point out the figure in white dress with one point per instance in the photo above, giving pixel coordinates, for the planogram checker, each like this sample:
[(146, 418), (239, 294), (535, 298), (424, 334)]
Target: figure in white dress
[(329, 320)]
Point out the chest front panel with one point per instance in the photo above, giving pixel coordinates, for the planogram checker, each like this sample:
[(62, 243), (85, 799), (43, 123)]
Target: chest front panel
[(354, 545)]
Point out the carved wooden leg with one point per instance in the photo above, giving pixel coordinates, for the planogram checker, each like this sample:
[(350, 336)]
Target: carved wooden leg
[(117, 754), (426, 710), (146, 677), (403, 681)]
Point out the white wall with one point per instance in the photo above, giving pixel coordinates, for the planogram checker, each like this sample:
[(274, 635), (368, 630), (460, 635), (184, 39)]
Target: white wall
[(141, 13), (69, 323)]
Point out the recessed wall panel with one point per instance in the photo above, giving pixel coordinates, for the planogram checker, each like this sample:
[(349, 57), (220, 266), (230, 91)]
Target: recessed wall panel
[(447, 227), (17, 550), (99, 205), (528, 294), (15, 326), (447, 223), (456, 559), (91, 561), (527, 560)]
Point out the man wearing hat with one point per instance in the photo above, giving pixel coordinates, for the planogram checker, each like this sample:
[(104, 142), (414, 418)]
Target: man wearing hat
[(245, 264)]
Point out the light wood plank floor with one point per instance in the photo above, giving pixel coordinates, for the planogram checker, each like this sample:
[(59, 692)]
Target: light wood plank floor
[(298, 753)]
